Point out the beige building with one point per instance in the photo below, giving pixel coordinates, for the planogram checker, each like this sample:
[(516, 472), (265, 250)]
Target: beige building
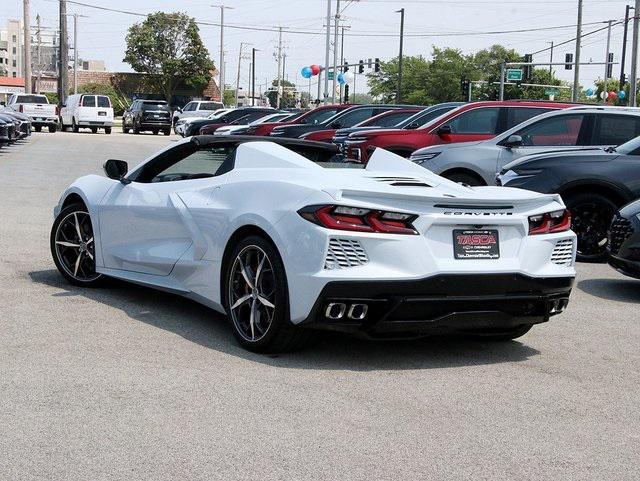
[(11, 48)]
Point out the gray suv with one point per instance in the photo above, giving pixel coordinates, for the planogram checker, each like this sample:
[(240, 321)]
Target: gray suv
[(477, 163)]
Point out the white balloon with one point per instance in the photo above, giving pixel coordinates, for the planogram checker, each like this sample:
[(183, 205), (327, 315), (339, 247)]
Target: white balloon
[(604, 95), (348, 76)]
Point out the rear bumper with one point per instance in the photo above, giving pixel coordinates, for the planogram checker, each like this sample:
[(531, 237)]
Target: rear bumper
[(440, 304), (95, 123), (151, 124)]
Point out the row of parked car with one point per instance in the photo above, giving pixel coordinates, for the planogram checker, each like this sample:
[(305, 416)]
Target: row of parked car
[(13, 126), (587, 154)]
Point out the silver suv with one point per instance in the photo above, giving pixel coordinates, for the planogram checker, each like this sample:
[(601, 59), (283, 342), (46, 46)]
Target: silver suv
[(582, 127), (196, 108)]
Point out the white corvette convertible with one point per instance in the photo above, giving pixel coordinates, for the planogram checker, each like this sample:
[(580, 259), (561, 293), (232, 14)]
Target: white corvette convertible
[(284, 244)]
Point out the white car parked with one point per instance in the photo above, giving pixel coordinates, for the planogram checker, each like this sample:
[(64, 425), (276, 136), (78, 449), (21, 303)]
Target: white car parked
[(197, 108), (242, 127), (87, 110), (37, 108), (284, 244)]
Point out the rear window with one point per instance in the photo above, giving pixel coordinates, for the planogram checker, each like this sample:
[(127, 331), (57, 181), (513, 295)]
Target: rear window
[(155, 106), (89, 101), (103, 101), (210, 106), (31, 99)]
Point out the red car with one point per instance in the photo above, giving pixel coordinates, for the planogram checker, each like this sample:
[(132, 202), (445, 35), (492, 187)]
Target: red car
[(314, 116), (385, 119), (467, 123)]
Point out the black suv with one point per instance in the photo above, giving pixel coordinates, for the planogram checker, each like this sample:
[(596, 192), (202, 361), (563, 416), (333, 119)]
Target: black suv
[(147, 115)]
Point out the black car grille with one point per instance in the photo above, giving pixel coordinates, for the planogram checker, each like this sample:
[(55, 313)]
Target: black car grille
[(621, 230)]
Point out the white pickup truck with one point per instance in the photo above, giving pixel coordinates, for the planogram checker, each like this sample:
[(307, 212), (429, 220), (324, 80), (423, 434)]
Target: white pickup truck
[(38, 108)]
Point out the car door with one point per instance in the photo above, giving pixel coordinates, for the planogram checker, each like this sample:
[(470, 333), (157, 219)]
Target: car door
[(471, 125), (145, 226), (87, 109), (613, 129), (560, 132)]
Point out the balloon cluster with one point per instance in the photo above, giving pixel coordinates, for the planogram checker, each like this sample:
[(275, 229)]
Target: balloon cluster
[(345, 78), (612, 95), (310, 71)]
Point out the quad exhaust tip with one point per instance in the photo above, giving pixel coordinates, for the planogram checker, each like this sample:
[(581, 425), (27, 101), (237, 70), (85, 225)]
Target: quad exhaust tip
[(337, 310)]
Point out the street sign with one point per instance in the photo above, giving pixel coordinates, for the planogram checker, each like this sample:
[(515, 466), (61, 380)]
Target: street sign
[(514, 74), (551, 91), (330, 75)]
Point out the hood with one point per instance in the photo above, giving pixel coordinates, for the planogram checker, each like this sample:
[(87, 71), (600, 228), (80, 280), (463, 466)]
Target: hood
[(443, 147), (375, 132), (388, 180), (550, 158), (345, 132)]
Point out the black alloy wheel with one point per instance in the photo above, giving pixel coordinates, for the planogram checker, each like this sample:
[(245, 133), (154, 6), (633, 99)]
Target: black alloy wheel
[(591, 216), (73, 246)]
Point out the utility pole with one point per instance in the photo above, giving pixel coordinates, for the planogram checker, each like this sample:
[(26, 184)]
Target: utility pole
[(399, 92), (279, 67), (624, 46), (221, 66), (326, 52), (335, 51), (238, 76), (38, 55), (64, 55), (27, 45), (342, 61), (606, 62), (253, 76), (576, 58), (633, 81), (550, 60)]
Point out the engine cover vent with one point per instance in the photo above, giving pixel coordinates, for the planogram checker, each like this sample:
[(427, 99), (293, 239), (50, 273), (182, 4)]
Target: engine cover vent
[(344, 253)]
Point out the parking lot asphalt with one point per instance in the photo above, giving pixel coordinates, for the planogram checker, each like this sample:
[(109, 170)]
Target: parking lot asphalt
[(123, 382)]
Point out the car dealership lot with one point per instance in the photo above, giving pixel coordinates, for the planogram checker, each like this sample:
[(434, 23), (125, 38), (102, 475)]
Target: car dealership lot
[(123, 382)]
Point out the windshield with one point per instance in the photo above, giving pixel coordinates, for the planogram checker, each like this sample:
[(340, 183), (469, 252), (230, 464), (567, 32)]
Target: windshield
[(632, 147), (155, 106), (318, 116), (31, 99)]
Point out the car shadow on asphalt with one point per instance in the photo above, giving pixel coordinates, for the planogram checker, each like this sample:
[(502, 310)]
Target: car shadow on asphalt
[(624, 290), (205, 327)]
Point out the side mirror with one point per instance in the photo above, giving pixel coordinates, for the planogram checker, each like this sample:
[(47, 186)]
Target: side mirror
[(179, 109), (444, 130), (116, 170), (512, 141), (412, 126)]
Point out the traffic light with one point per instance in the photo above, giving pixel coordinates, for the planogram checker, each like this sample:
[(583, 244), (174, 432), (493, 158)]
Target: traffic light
[(568, 61), (376, 65), (528, 69), (361, 66), (369, 62), (464, 87), (610, 65), (346, 93), (346, 66)]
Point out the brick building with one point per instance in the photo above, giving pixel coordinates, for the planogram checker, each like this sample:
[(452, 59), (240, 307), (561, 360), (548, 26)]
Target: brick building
[(135, 85)]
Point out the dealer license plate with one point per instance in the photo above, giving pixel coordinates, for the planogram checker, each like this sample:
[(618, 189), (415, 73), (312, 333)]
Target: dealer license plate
[(476, 244), (102, 113)]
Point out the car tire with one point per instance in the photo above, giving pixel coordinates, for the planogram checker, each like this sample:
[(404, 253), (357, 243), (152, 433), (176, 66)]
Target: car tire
[(503, 335), (38, 128), (591, 216), (464, 179), (278, 334), (74, 126), (63, 127), (53, 129), (135, 129), (125, 129), (73, 246), (94, 130), (107, 130), (166, 131)]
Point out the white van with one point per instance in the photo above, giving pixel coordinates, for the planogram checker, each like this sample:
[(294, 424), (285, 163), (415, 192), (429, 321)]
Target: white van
[(87, 110)]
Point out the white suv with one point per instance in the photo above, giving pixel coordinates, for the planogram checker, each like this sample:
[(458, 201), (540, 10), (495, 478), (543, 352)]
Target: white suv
[(196, 108)]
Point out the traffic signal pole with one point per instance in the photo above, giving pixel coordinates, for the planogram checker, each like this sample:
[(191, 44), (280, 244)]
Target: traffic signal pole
[(576, 72), (633, 76)]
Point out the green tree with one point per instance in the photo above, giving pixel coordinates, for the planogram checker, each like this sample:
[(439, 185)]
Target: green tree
[(288, 99), (168, 47)]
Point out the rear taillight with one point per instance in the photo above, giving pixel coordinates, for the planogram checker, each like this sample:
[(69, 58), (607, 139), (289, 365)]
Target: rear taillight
[(556, 221), (57, 110), (358, 219), (21, 108)]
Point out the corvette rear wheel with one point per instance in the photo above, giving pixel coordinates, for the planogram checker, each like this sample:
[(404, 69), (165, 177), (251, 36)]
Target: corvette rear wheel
[(257, 300), (73, 246)]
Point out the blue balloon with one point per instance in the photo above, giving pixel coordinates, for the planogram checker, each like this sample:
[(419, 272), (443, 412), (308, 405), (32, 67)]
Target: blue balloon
[(341, 79), (306, 72), (622, 94), (589, 92)]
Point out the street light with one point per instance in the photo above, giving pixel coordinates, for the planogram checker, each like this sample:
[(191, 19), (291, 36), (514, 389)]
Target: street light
[(399, 92), (221, 66)]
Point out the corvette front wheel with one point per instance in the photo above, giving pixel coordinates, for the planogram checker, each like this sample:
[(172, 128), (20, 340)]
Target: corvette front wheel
[(73, 246), (257, 300)]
